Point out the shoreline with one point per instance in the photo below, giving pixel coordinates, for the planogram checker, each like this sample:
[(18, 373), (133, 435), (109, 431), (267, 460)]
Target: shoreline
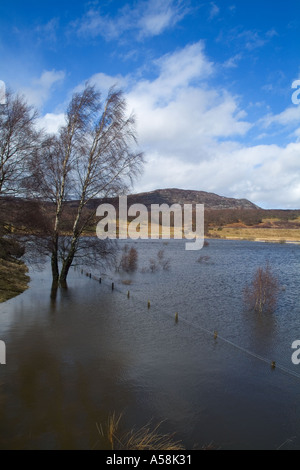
[(277, 241), (13, 279)]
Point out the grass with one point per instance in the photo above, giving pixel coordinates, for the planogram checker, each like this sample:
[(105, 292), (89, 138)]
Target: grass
[(258, 234), (13, 279), (144, 438)]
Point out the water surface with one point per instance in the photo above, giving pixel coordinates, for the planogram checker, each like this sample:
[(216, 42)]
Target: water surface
[(92, 352)]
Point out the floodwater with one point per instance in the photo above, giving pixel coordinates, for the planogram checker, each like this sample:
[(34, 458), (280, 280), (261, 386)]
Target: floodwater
[(73, 361)]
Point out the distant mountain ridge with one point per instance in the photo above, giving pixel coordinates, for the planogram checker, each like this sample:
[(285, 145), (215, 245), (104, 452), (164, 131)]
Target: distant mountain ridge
[(183, 196)]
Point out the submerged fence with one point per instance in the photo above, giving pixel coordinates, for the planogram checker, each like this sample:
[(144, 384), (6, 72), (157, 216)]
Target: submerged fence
[(214, 334)]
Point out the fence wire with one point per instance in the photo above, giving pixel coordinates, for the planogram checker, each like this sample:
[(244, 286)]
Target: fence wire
[(110, 282)]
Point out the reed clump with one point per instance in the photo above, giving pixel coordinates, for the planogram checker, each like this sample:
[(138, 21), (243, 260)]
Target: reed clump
[(144, 438)]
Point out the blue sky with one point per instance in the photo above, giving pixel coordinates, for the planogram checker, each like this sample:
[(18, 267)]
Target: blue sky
[(210, 84)]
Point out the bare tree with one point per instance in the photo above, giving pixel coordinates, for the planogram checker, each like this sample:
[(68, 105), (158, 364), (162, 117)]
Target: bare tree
[(163, 261), (93, 155), (262, 293), (129, 261), (18, 139)]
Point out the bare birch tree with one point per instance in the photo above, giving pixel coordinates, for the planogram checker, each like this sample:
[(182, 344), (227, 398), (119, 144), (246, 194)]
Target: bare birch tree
[(95, 154), (18, 139), (261, 294)]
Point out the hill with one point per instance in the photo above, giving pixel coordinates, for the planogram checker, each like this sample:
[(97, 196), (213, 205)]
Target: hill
[(181, 196)]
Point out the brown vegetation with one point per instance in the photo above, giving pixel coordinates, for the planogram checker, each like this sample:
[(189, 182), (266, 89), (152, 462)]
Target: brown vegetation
[(144, 438), (258, 225), (129, 261), (13, 279), (262, 293)]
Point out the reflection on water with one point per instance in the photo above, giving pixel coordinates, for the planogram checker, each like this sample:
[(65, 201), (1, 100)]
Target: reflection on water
[(77, 356)]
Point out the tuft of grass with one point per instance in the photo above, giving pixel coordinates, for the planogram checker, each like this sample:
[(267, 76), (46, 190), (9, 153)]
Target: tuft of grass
[(144, 438), (127, 282), (147, 439), (112, 428)]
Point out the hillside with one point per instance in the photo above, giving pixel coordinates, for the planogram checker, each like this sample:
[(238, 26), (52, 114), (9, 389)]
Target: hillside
[(181, 196), (224, 217)]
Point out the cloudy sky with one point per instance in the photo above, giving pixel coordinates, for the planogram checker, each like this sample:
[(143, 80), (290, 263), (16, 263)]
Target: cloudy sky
[(210, 83)]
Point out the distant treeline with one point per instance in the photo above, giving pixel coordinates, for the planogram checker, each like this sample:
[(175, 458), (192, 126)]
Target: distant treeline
[(250, 217)]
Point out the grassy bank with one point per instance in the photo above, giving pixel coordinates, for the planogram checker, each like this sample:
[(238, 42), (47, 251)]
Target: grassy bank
[(257, 234), (13, 279)]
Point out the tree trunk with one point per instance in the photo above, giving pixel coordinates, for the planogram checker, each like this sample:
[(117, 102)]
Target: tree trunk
[(66, 265), (54, 261), (54, 266), (53, 295), (64, 274)]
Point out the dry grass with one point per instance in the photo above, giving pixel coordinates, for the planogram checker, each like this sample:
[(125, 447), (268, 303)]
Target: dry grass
[(258, 234), (13, 279), (144, 438), (127, 282)]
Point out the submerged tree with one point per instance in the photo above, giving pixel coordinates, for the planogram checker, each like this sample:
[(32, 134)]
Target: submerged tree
[(19, 139), (93, 155), (261, 294), (129, 260)]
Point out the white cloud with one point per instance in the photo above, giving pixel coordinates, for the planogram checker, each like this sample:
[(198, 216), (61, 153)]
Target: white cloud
[(178, 115), (232, 62), (297, 134), (287, 117), (159, 16), (272, 33), (214, 11), (246, 40), (148, 18), (105, 82), (42, 87), (51, 122), (94, 24), (252, 39), (48, 31), (191, 133), (266, 175)]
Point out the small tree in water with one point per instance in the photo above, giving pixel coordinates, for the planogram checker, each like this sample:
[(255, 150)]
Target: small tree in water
[(261, 294), (129, 260)]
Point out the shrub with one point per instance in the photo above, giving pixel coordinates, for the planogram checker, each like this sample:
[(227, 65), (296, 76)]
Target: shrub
[(153, 265), (164, 262), (10, 248), (261, 294), (129, 261)]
